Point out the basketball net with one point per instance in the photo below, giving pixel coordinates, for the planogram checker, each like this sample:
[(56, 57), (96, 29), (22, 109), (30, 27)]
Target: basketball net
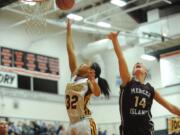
[(35, 12)]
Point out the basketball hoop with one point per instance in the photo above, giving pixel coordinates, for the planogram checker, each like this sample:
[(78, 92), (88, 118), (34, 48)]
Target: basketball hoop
[(35, 12)]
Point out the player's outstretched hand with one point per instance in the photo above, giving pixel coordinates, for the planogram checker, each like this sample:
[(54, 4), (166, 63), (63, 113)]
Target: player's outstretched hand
[(112, 35)]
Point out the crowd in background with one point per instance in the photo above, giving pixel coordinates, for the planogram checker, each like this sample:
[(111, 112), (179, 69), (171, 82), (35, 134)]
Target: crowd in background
[(34, 128), (26, 127), (102, 132)]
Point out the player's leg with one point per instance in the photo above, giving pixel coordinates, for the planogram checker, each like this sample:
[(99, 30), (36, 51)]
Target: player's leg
[(93, 127), (86, 127), (72, 130), (134, 131), (80, 128), (68, 131)]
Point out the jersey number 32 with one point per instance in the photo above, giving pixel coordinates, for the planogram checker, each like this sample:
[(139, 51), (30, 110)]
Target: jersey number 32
[(71, 101)]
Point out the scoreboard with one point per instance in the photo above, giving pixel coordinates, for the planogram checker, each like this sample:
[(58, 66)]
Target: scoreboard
[(28, 71), (29, 61), (6, 57)]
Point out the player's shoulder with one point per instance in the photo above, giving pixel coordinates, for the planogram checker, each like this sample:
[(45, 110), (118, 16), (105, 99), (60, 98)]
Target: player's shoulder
[(150, 88), (130, 82), (149, 85)]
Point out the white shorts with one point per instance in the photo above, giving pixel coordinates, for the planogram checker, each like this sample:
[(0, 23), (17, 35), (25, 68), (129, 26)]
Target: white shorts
[(83, 127)]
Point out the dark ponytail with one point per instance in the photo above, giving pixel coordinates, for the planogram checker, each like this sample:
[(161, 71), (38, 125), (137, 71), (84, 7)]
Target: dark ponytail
[(103, 84)]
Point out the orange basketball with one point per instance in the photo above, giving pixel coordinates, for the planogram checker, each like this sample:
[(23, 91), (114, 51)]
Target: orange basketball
[(65, 4)]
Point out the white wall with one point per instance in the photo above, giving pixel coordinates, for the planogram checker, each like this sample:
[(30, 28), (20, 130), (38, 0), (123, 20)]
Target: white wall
[(111, 67), (33, 109)]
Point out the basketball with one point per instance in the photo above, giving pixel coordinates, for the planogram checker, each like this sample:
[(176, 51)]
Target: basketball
[(65, 4)]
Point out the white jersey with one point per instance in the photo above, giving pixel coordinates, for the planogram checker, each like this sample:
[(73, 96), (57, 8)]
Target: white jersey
[(77, 97)]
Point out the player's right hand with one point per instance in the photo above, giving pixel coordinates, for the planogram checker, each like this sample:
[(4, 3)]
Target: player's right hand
[(91, 74), (69, 22)]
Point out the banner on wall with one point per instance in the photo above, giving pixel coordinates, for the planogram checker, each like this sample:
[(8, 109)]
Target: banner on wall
[(8, 79), (173, 126)]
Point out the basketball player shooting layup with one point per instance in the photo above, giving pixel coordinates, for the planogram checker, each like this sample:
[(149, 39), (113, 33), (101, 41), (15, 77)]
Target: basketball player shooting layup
[(136, 97), (79, 91)]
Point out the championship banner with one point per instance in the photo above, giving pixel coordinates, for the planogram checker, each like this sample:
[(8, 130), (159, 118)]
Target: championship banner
[(173, 126), (8, 79)]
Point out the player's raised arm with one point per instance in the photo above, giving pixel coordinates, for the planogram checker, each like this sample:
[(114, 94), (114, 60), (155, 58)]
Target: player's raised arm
[(123, 69), (173, 109), (70, 49)]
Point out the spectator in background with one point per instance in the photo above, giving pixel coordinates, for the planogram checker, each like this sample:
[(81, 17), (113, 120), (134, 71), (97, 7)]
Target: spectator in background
[(35, 129), (3, 128), (19, 128), (105, 132), (25, 128), (30, 128), (99, 131), (61, 130), (51, 129), (43, 129), (10, 128)]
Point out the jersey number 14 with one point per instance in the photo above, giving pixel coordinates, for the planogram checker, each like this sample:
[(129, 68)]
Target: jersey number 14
[(140, 102)]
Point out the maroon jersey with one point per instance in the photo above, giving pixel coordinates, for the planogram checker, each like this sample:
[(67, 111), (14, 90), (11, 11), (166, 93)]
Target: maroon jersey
[(135, 108)]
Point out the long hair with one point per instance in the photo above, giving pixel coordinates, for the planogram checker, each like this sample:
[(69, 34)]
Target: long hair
[(103, 84)]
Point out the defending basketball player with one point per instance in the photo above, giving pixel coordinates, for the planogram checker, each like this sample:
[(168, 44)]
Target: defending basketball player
[(79, 91), (136, 97)]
